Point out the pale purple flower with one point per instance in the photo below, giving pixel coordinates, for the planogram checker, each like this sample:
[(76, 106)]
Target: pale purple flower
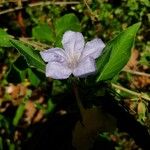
[(75, 58)]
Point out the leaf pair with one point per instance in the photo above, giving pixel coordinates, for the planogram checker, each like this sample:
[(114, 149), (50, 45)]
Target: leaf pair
[(115, 56)]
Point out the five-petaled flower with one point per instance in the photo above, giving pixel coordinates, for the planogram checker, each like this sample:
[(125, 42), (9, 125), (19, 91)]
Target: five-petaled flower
[(77, 58)]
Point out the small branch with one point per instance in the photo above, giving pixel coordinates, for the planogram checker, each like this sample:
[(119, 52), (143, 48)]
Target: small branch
[(80, 106), (130, 92), (37, 45), (10, 10), (56, 3), (42, 45), (136, 72), (90, 10), (38, 4)]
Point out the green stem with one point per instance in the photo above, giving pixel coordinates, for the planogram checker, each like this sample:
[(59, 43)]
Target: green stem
[(80, 106), (36, 45), (136, 72), (130, 92)]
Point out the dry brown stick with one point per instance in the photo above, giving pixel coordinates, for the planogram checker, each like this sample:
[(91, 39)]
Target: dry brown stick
[(56, 3), (38, 4), (136, 72), (140, 95), (93, 15), (35, 44)]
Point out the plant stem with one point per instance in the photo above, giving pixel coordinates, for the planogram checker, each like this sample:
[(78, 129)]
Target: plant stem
[(130, 92), (90, 10), (10, 10), (80, 106), (37, 4), (56, 3), (94, 16), (136, 72), (36, 45)]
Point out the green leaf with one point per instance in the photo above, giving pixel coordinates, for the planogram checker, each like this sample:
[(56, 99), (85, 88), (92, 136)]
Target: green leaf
[(18, 70), (4, 123), (15, 75), (50, 106), (145, 55), (66, 22), (1, 143), (47, 110), (116, 54), (1, 53), (43, 33), (12, 146), (103, 59), (21, 63), (32, 57), (19, 114), (35, 77), (4, 39)]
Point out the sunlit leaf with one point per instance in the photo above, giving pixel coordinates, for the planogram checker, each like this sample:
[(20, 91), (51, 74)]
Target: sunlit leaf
[(116, 54), (4, 39)]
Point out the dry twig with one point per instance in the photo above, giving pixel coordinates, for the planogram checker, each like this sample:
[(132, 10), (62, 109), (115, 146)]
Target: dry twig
[(140, 95), (38, 4)]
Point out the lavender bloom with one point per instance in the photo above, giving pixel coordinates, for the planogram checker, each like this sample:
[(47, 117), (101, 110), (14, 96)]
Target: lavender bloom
[(77, 58)]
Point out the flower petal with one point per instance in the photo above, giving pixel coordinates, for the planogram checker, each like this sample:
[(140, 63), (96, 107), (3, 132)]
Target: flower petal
[(93, 48), (53, 54), (73, 43), (85, 67), (57, 70)]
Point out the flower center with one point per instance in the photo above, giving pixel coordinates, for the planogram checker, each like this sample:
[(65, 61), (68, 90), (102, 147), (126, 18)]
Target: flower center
[(73, 61)]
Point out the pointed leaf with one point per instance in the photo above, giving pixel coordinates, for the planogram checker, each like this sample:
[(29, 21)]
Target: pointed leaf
[(103, 59), (19, 113), (35, 77), (117, 53), (32, 57), (4, 39)]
